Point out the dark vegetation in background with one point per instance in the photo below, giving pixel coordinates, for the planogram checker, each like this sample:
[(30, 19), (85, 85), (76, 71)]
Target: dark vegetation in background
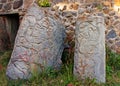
[(9, 24)]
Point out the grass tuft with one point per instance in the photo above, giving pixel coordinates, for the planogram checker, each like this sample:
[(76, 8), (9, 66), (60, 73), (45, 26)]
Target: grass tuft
[(63, 77)]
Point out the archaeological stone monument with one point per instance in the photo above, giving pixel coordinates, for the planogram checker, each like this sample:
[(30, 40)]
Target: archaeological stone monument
[(38, 45), (89, 57), (39, 35)]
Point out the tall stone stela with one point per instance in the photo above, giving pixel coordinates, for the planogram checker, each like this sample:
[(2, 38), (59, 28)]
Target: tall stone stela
[(89, 58), (38, 44)]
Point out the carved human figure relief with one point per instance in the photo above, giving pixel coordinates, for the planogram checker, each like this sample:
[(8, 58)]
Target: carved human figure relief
[(89, 59), (38, 44)]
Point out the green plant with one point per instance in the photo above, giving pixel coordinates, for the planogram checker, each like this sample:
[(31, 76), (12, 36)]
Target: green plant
[(64, 77), (5, 57), (109, 70), (112, 60), (44, 3), (3, 79)]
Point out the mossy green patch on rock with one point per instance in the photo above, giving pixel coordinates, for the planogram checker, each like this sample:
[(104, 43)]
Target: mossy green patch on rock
[(44, 3)]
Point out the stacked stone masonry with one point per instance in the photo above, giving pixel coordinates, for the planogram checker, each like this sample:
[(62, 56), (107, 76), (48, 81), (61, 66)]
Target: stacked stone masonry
[(103, 9), (14, 6)]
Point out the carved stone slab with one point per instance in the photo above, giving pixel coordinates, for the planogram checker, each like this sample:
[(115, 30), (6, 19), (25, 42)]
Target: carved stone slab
[(89, 59), (38, 45)]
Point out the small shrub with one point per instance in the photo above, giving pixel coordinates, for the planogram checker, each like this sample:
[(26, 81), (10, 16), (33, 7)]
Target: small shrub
[(109, 70), (5, 57), (44, 3), (113, 60), (3, 79), (63, 77)]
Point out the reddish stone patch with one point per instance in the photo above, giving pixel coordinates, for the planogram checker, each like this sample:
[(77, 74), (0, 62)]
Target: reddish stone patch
[(7, 6), (70, 85), (117, 47), (27, 3), (1, 67), (3, 1)]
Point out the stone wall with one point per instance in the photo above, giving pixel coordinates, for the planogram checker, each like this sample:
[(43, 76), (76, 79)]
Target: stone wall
[(20, 6), (14, 6), (80, 1)]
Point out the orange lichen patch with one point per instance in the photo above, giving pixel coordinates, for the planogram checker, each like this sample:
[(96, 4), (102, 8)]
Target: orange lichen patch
[(83, 18), (67, 6), (106, 3), (117, 2)]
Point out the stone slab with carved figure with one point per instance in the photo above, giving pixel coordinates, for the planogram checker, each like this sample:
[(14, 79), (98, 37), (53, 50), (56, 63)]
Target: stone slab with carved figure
[(89, 57), (38, 45)]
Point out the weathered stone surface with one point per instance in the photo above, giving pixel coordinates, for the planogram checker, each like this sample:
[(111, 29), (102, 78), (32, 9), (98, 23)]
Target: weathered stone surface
[(0, 6), (55, 1), (17, 4), (38, 45), (113, 31), (117, 46), (112, 22), (67, 6), (111, 34), (3, 1), (89, 59), (27, 3), (7, 6), (12, 6)]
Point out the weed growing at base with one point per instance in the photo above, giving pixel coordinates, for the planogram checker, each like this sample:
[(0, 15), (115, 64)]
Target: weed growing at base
[(44, 3), (64, 76)]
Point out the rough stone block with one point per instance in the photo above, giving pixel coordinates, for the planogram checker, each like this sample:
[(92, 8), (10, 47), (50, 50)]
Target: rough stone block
[(17, 4), (27, 3), (38, 45), (89, 59), (7, 6), (3, 1)]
